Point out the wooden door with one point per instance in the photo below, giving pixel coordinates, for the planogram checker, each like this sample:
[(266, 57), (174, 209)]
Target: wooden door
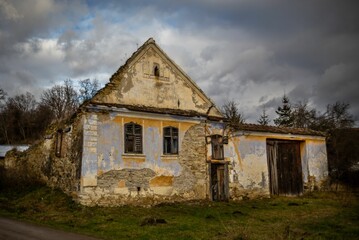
[(219, 182), (285, 168)]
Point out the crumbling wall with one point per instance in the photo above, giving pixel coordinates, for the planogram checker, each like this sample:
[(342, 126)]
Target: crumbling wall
[(248, 171), (316, 154), (41, 163)]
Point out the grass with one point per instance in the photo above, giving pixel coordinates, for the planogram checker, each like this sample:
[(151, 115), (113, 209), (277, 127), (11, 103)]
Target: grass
[(319, 215)]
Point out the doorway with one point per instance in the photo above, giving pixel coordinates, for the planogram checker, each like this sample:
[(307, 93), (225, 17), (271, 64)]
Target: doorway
[(285, 167), (219, 181)]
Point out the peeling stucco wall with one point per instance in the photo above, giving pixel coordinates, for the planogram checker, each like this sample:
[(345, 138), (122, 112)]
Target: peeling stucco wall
[(246, 154), (112, 177), (248, 169), (137, 85), (317, 164)]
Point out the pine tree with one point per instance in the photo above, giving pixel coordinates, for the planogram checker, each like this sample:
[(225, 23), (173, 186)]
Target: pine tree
[(263, 119), (232, 114), (285, 116)]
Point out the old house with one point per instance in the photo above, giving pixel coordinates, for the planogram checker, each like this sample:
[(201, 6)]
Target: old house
[(152, 135)]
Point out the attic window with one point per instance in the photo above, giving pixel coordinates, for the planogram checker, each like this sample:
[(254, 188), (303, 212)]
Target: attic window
[(156, 70)]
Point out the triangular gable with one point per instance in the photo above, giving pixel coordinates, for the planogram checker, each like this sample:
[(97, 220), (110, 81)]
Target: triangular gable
[(151, 79)]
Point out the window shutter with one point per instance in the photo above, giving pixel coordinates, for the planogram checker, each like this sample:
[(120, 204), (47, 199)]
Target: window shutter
[(138, 144)]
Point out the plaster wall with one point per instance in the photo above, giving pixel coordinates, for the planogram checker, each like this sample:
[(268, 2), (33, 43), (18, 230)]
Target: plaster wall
[(112, 177), (317, 164), (138, 85), (246, 153)]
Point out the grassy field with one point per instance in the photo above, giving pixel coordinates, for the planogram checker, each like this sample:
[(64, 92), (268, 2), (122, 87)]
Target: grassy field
[(314, 216)]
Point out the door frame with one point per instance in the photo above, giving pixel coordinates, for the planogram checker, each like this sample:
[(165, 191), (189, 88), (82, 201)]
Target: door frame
[(214, 166), (276, 174)]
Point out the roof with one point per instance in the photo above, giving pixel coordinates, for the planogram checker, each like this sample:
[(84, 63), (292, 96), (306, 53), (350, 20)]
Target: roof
[(177, 112), (5, 148), (283, 130)]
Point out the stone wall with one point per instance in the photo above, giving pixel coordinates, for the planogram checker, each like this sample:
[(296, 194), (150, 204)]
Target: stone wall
[(41, 163)]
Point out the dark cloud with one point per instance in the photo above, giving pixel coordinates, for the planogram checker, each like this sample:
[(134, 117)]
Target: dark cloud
[(250, 51)]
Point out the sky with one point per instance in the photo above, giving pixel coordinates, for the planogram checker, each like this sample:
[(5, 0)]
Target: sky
[(251, 52)]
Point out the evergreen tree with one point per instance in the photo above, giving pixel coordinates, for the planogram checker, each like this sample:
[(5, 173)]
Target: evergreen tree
[(232, 114), (285, 117), (264, 119)]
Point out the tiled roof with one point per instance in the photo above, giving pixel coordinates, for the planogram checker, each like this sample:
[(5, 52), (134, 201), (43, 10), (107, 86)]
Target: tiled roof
[(283, 130)]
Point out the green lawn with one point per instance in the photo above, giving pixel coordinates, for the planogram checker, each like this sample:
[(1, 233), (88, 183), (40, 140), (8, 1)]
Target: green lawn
[(315, 216)]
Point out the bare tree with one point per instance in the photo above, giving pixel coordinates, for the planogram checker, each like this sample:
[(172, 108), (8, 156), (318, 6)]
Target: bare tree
[(3, 128), (232, 114), (336, 116), (87, 89), (302, 116), (61, 99), (18, 118), (2, 95)]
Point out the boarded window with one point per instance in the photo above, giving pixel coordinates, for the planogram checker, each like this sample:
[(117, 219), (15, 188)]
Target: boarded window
[(170, 140), (217, 147), (133, 138), (58, 143)]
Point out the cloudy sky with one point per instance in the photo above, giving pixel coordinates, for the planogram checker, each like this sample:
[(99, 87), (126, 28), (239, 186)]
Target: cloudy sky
[(248, 51)]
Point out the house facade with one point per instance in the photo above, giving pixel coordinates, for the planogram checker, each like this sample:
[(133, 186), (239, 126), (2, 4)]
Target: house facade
[(151, 135)]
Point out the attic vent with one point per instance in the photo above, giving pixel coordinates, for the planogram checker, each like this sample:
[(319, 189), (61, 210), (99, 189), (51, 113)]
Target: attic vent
[(156, 71)]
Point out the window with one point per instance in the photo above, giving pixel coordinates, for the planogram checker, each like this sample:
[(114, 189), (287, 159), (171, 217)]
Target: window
[(156, 71), (58, 143), (133, 138), (170, 140), (217, 147)]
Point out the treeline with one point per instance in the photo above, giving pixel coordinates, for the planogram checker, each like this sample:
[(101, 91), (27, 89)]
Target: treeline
[(300, 115), (23, 119)]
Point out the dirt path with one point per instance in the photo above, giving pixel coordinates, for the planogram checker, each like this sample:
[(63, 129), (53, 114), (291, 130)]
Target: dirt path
[(16, 230)]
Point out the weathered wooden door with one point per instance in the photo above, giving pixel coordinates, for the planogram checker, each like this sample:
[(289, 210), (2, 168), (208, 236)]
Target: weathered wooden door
[(219, 182), (285, 168)]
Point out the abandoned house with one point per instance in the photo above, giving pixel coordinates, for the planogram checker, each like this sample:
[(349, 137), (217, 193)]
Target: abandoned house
[(151, 135)]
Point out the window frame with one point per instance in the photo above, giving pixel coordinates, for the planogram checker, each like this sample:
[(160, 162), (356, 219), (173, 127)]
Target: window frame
[(217, 143), (135, 140), (174, 148)]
